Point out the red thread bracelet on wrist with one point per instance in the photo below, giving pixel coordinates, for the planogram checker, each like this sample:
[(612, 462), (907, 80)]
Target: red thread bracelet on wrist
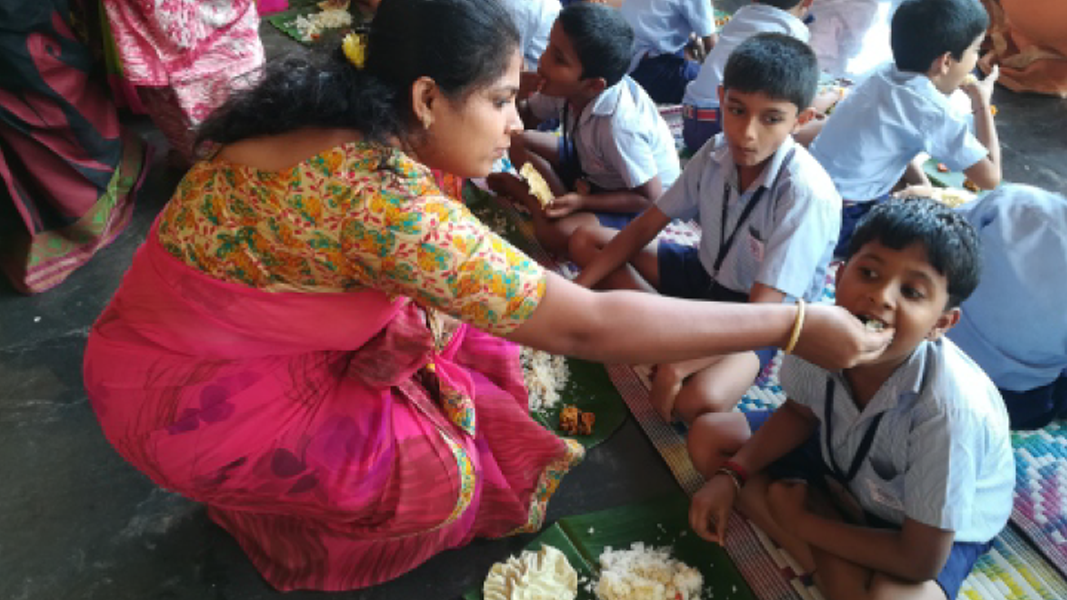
[(736, 469)]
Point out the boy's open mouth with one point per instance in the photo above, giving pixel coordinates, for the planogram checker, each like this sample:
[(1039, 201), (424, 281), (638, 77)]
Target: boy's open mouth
[(872, 323)]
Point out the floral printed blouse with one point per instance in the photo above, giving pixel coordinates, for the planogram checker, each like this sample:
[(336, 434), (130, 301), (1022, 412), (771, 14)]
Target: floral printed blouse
[(357, 216)]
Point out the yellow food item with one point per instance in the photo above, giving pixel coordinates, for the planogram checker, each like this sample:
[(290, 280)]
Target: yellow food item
[(538, 186)]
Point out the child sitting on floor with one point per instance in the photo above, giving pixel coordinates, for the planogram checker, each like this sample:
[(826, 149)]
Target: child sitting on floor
[(769, 216), (615, 155), (902, 469), (662, 28), (1014, 325), (700, 105), (901, 110)]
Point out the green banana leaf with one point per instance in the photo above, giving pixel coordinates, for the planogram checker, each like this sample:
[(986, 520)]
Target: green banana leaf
[(286, 22), (662, 522), (506, 223), (589, 387)]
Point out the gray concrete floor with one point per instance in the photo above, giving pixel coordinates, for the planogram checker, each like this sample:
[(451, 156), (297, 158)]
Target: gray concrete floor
[(77, 522)]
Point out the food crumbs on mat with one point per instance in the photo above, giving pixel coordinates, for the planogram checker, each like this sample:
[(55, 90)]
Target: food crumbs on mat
[(546, 375), (646, 573), (545, 574), (592, 531)]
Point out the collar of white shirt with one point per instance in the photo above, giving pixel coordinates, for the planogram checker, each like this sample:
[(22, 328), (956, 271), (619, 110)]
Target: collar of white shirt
[(724, 158)]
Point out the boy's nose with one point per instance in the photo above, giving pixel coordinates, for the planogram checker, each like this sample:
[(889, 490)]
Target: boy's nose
[(882, 296), (750, 128)]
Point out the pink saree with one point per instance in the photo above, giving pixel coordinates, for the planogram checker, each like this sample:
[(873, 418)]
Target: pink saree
[(328, 433)]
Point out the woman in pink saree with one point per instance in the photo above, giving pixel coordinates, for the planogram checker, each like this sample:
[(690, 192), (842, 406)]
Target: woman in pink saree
[(317, 343)]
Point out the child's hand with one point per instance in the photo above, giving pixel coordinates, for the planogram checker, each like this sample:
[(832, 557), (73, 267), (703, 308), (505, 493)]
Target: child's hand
[(564, 205), (786, 501), (711, 507), (666, 382), (981, 91)]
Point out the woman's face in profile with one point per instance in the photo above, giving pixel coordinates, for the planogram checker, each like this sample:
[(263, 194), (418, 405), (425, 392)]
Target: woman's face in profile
[(469, 134)]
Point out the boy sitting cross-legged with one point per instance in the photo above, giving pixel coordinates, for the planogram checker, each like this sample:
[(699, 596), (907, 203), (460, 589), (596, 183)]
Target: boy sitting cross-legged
[(889, 479), (769, 216), (616, 154)]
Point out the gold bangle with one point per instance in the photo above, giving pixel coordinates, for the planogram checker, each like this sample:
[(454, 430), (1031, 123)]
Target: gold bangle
[(733, 477), (798, 324)]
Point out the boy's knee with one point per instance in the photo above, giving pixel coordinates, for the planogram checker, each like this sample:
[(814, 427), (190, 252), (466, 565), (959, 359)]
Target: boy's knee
[(713, 436), (582, 246)]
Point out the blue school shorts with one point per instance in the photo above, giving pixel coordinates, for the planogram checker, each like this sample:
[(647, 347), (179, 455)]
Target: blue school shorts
[(805, 462), (851, 214), (570, 171), (1033, 409), (682, 275), (665, 76), (699, 125)]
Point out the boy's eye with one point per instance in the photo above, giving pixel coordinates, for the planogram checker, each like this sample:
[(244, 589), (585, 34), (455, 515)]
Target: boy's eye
[(912, 293), (867, 273), (736, 110), (772, 119)]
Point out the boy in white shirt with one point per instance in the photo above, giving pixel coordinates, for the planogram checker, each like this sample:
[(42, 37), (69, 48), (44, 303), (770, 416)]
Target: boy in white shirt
[(534, 19), (662, 28), (768, 212), (616, 154), (902, 109), (889, 479), (700, 105)]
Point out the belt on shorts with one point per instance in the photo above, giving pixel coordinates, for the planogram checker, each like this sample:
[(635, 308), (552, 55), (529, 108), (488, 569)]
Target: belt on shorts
[(700, 114)]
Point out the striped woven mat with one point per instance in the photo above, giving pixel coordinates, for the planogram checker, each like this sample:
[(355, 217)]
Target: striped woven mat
[(1012, 570), (1041, 490)]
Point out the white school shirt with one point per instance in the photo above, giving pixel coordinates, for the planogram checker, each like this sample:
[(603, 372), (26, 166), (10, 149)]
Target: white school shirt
[(534, 20), (787, 241), (620, 137), (851, 37), (885, 122), (703, 92), (1014, 324), (942, 454), (663, 26)]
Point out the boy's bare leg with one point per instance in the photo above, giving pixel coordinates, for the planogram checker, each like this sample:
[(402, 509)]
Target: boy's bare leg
[(717, 387), (641, 273), (555, 234), (753, 504), (839, 579), (715, 437)]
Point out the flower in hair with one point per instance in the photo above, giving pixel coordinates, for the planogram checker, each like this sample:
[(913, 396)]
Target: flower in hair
[(355, 49)]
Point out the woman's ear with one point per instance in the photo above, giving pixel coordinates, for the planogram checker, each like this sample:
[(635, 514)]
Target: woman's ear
[(424, 94)]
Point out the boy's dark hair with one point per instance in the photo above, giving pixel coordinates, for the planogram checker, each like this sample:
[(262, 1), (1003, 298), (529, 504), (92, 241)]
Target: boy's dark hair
[(951, 243), (463, 45), (601, 38), (923, 30), (782, 4), (780, 66)]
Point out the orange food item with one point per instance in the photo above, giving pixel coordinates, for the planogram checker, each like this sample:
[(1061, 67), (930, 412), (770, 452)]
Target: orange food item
[(576, 422), (942, 168), (970, 185)]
